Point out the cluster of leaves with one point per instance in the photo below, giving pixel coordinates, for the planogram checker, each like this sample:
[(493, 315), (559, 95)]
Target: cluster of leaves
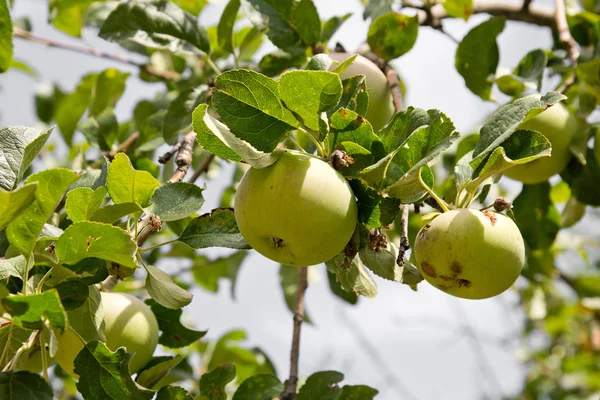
[(63, 231)]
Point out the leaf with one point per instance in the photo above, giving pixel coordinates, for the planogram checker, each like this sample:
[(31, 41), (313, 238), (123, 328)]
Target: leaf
[(382, 262), (88, 320), (167, 293), (409, 189), (24, 384), (155, 23), (259, 387), (289, 281), (509, 117), (532, 66), (321, 385), (376, 8), (582, 179), (6, 33), (357, 392), (348, 126), (192, 6), (374, 210), (336, 289), (114, 212), (275, 63), (83, 202), (101, 130), (179, 112), (71, 107), (207, 273), (19, 145), (125, 184), (212, 384), (250, 39), (150, 376), (392, 35), (73, 293), (309, 93), (248, 103), (110, 86), (174, 334), (176, 201), (477, 56), (290, 25), (353, 277), (173, 393), (12, 338), (14, 266), (225, 27), (216, 138), (535, 215), (28, 311), (402, 125), (12, 204), (331, 26), (23, 232), (94, 239), (459, 8), (214, 229), (104, 374)]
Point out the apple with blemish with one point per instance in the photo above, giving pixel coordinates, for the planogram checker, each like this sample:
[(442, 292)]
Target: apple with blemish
[(470, 254)]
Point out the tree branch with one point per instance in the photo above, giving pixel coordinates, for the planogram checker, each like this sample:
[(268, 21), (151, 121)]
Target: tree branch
[(291, 384), (184, 157), (202, 168), (22, 34), (564, 35)]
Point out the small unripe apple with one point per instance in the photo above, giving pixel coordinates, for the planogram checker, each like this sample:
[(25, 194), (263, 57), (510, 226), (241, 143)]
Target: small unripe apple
[(559, 126), (297, 211), (381, 107), (470, 254), (128, 322)]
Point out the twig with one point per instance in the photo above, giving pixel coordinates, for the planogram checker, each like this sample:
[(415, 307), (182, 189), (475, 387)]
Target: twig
[(404, 244), (124, 147), (202, 168), (184, 157), (526, 4), (22, 34), (564, 35), (169, 154), (291, 384)]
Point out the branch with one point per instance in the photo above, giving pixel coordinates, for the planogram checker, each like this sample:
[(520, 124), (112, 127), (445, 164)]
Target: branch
[(185, 150), (124, 147), (564, 35), (291, 384), (22, 34), (202, 168)]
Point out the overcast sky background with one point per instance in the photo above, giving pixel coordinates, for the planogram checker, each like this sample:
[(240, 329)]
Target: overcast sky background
[(400, 339)]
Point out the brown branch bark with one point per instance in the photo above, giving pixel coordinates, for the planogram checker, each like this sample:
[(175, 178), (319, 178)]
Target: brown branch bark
[(184, 157), (565, 38), (291, 384), (202, 168)]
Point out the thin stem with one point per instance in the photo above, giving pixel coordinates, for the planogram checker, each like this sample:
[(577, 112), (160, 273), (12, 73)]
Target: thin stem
[(297, 144), (8, 340), (315, 142), (44, 359), (26, 347), (150, 248), (202, 168), (291, 384), (26, 274), (441, 202), (212, 65), (43, 280)]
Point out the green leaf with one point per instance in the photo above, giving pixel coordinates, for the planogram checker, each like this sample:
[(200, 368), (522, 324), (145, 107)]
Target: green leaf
[(110, 86), (348, 126), (19, 145), (167, 293), (28, 311), (125, 184), (214, 229), (101, 130), (309, 93), (531, 67), (179, 112), (23, 67), (155, 23), (24, 384), (259, 387), (176, 201), (94, 239), (535, 215), (250, 39), (477, 56), (216, 138), (174, 334), (290, 25), (509, 117), (150, 376), (275, 63), (374, 210), (331, 26), (225, 27), (73, 293), (354, 95), (336, 289), (289, 280), (12, 204), (382, 262), (192, 6), (173, 393), (14, 266), (71, 107), (12, 338), (357, 392), (402, 125), (6, 33), (582, 179), (408, 188), (392, 35), (207, 273), (353, 277), (321, 385), (114, 212), (23, 232), (88, 320), (68, 16), (248, 103), (459, 8), (83, 202), (212, 384), (104, 374), (376, 8)]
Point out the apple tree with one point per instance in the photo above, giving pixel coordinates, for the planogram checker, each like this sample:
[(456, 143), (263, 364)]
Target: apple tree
[(333, 171)]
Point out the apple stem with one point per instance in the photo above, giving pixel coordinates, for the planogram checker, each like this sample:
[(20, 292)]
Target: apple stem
[(291, 384), (315, 142), (438, 200)]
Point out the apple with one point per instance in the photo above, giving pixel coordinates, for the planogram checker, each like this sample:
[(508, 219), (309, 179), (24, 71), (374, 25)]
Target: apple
[(128, 322), (470, 254), (381, 107), (559, 126), (297, 211), (32, 360)]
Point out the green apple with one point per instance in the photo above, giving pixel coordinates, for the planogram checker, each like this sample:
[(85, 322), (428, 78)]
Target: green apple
[(559, 126), (32, 360), (381, 107), (128, 322), (298, 211), (470, 254)]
